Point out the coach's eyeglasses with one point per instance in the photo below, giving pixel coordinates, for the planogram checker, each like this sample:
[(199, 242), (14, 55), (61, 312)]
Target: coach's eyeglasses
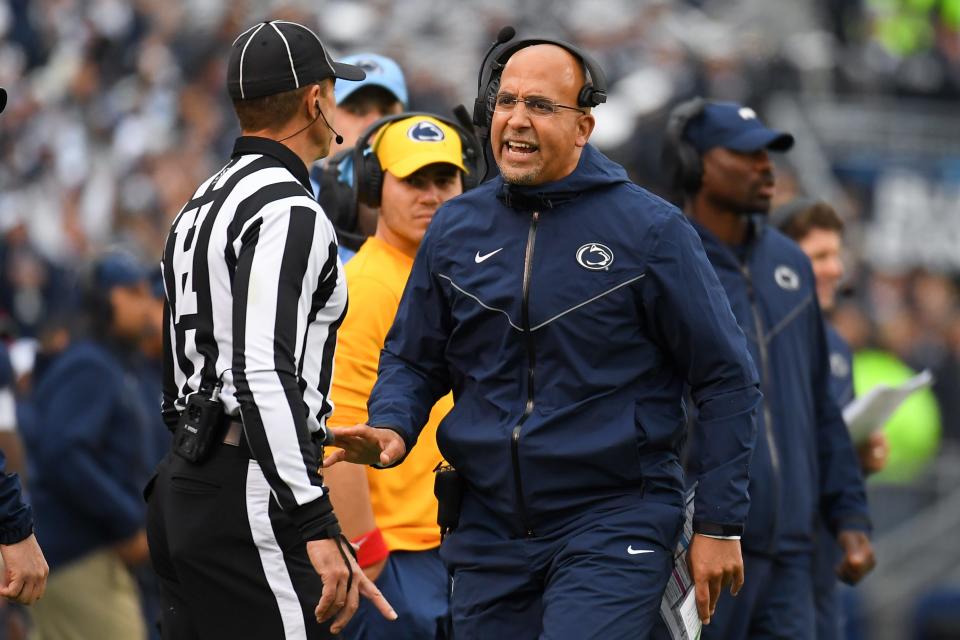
[(536, 106)]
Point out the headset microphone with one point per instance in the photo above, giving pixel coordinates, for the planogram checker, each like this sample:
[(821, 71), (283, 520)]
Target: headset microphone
[(337, 136)]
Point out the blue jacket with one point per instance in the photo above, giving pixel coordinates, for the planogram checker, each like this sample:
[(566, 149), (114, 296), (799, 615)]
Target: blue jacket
[(566, 318), (88, 451), (841, 367), (16, 517), (803, 458)]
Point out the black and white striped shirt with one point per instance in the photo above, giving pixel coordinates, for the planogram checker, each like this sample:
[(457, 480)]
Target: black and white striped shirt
[(255, 294)]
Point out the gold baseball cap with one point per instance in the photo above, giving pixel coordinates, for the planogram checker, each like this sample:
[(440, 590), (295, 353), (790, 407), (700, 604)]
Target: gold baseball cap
[(408, 145)]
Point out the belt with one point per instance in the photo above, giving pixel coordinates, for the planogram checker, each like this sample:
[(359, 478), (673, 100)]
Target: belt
[(233, 434)]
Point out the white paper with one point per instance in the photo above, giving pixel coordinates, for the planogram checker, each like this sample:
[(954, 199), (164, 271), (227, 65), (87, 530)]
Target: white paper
[(678, 607), (869, 412)]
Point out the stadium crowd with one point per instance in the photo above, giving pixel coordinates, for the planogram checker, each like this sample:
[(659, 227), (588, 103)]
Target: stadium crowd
[(118, 110)]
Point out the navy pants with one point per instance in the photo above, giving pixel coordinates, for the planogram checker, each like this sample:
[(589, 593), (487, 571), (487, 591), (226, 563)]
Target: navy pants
[(826, 595), (776, 602), (599, 575), (417, 585)]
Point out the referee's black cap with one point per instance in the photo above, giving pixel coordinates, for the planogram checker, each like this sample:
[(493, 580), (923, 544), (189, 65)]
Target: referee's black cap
[(278, 56)]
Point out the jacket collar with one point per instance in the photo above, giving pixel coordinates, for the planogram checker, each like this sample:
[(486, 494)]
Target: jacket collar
[(247, 145), (720, 252)]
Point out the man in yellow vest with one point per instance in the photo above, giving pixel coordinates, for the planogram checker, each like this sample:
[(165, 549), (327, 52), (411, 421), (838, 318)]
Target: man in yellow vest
[(392, 514)]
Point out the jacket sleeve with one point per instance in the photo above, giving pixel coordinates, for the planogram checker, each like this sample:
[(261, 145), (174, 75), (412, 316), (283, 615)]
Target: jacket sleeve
[(16, 517), (843, 500), (278, 251), (412, 374), (688, 310), (75, 418)]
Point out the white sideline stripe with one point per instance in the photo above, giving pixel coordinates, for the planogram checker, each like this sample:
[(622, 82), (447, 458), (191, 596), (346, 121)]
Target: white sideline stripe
[(243, 95), (289, 57), (271, 556)]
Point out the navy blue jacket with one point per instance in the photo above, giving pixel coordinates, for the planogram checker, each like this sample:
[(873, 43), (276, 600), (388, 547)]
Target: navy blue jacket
[(88, 451), (803, 459), (16, 517), (566, 319), (841, 367)]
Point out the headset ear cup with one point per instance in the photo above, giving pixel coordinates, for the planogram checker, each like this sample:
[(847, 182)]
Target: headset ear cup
[(369, 179), (691, 167), (585, 97)]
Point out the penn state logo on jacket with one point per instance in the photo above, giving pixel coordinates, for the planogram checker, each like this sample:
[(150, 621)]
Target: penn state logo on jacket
[(595, 256), (786, 278)]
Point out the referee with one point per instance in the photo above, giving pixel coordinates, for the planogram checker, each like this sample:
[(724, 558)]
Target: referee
[(243, 538)]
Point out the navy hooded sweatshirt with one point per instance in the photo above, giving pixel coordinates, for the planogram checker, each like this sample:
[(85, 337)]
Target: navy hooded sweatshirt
[(567, 318), (803, 461)]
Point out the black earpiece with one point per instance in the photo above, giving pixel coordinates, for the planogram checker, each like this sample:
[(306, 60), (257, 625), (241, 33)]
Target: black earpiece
[(681, 161), (368, 176)]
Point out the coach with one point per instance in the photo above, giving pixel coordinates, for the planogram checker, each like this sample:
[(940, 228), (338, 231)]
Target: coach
[(804, 464), (245, 541), (566, 308)]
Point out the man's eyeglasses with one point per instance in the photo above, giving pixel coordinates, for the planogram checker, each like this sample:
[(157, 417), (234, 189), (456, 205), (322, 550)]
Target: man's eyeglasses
[(537, 107)]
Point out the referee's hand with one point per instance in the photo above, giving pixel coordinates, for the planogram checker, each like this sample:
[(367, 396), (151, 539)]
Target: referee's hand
[(363, 444), (343, 584)]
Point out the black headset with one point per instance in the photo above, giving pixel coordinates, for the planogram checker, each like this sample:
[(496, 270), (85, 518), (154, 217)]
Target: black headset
[(368, 175), (681, 161), (592, 93)]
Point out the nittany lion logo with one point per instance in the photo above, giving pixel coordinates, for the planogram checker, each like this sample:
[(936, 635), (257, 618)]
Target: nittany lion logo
[(839, 365), (787, 278), (425, 131), (370, 66), (595, 256)]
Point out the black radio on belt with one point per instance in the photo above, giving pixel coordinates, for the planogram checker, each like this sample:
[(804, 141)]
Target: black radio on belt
[(199, 426), (448, 487)]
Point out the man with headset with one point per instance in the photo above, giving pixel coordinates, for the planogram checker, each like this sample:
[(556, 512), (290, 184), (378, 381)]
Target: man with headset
[(408, 166), (566, 308), (804, 464), (242, 533)]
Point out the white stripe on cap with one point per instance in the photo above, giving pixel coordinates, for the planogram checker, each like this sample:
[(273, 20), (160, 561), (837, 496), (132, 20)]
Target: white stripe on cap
[(310, 31), (237, 39), (243, 53), (289, 56)]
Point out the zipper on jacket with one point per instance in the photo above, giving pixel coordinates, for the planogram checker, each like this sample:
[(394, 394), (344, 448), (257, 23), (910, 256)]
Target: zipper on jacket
[(764, 382), (531, 362)]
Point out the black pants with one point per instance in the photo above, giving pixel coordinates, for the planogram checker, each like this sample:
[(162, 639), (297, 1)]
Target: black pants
[(231, 564)]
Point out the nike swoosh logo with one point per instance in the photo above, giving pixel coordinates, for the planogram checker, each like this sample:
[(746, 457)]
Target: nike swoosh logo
[(634, 552), (480, 258)]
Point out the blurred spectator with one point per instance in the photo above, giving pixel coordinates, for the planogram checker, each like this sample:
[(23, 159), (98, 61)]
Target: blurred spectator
[(359, 104), (88, 448)]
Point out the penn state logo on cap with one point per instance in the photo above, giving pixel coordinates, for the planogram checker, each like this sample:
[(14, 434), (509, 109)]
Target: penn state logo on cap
[(786, 278), (425, 131), (595, 256)]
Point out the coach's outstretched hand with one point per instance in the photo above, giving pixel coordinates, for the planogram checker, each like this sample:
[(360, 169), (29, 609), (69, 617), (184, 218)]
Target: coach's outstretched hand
[(714, 564), (343, 584), (363, 444)]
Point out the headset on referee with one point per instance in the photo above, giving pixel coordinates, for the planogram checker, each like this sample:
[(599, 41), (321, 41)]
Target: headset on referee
[(242, 533)]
